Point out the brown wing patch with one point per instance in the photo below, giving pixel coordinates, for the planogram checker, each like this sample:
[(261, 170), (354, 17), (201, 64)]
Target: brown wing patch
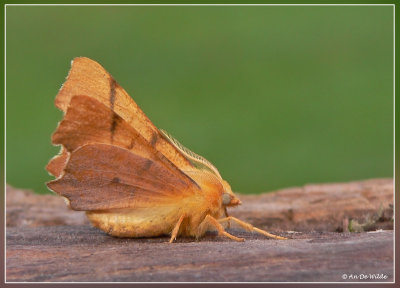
[(87, 77), (101, 176), (88, 121)]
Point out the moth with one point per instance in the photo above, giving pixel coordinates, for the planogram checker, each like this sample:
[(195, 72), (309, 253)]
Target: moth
[(132, 179)]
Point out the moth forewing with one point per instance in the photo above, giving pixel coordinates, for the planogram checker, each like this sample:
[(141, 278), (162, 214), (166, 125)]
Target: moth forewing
[(88, 78), (132, 179)]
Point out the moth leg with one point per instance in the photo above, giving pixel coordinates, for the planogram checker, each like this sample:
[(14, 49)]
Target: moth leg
[(176, 229), (209, 220), (250, 227), (227, 216)]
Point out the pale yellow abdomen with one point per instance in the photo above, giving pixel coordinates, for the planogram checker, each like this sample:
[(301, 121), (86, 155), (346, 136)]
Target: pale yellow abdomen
[(161, 219), (139, 222)]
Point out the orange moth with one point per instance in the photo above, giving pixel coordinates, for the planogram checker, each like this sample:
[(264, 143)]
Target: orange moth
[(132, 179)]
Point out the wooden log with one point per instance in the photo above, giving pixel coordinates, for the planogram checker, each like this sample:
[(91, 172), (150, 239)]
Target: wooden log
[(368, 205), (45, 241)]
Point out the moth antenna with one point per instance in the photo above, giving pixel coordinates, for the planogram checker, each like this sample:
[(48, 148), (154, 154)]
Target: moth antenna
[(190, 155)]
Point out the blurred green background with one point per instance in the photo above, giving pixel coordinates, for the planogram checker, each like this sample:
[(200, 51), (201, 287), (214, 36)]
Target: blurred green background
[(273, 96)]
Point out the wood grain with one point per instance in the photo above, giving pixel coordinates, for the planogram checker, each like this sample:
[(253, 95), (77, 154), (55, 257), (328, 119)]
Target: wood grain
[(48, 242)]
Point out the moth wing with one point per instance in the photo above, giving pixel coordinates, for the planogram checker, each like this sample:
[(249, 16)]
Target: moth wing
[(57, 164), (87, 77), (103, 176), (87, 121)]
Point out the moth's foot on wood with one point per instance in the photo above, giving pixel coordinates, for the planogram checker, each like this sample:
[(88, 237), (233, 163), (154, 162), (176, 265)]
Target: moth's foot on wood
[(269, 234), (230, 236), (174, 232), (250, 227)]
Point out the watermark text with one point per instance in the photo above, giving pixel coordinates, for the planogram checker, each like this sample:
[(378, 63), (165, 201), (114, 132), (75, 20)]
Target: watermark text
[(362, 276)]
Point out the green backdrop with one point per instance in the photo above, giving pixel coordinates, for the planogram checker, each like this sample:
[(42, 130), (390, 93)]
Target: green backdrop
[(273, 96)]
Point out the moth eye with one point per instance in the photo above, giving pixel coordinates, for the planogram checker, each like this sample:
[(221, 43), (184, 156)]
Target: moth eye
[(226, 199)]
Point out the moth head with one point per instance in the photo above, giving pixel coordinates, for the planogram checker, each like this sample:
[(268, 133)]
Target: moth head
[(228, 197)]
